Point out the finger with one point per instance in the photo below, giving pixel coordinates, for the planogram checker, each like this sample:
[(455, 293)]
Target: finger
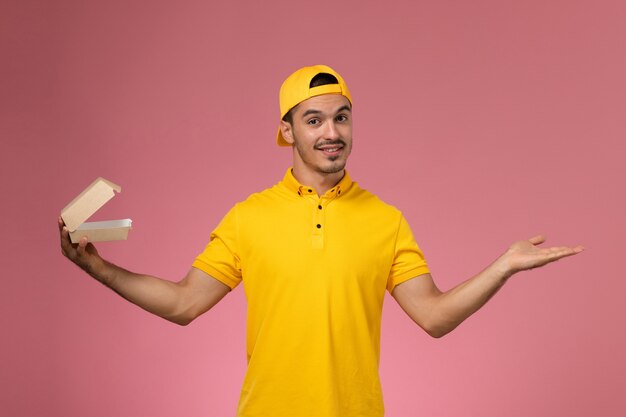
[(557, 253), (65, 236), (537, 240), (82, 244), (63, 230), (66, 244)]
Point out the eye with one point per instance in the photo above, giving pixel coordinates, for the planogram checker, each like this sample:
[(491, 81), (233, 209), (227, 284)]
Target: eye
[(313, 122), (342, 118)]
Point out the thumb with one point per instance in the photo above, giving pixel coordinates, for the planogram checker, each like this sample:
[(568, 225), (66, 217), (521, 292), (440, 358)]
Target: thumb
[(82, 244), (537, 240)]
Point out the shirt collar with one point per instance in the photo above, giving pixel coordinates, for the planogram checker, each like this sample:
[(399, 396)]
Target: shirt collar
[(293, 186)]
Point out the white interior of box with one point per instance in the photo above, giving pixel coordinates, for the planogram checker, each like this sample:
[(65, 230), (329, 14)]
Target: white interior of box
[(107, 224)]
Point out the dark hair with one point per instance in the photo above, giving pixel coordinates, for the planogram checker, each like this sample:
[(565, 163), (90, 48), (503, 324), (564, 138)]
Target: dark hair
[(323, 78)]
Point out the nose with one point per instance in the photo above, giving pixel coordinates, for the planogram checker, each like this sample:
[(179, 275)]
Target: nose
[(331, 131)]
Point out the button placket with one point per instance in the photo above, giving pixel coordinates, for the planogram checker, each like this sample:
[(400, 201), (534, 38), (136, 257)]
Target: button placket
[(318, 223)]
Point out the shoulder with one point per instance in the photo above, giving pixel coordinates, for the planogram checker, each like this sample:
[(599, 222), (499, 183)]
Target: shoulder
[(383, 222), (270, 197), (365, 201)]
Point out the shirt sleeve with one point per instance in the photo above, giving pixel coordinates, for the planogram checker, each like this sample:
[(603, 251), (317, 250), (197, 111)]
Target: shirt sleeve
[(408, 260), (220, 258)]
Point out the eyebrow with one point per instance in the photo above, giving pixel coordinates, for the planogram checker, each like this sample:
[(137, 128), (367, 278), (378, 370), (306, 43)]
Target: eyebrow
[(314, 111)]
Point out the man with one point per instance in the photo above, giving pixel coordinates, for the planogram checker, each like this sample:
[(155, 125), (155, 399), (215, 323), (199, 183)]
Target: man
[(315, 254)]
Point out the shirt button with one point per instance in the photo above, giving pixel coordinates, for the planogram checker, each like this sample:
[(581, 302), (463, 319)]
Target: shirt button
[(319, 226), (319, 207), (310, 190)]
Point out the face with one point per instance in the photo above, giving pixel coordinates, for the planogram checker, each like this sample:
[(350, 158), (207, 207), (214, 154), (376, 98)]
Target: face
[(321, 133)]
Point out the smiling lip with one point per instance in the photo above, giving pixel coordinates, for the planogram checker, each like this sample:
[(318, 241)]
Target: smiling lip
[(330, 149)]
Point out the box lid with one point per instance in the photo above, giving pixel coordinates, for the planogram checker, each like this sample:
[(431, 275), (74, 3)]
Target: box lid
[(88, 202)]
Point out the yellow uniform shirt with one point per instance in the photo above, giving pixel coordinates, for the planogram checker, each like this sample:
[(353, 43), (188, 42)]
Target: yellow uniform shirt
[(314, 270)]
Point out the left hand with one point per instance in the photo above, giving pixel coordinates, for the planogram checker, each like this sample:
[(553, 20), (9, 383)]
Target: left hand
[(526, 254)]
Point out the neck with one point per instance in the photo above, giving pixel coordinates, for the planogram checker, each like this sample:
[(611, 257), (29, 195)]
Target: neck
[(322, 182)]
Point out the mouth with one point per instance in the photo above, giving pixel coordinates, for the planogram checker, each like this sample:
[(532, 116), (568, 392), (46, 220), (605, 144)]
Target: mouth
[(331, 149)]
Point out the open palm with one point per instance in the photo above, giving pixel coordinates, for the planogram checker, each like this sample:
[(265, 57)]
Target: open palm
[(526, 254)]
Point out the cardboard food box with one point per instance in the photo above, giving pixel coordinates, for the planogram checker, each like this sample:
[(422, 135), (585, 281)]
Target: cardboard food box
[(86, 204)]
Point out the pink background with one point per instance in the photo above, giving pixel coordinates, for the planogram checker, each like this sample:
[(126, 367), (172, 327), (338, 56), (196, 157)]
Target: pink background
[(484, 121)]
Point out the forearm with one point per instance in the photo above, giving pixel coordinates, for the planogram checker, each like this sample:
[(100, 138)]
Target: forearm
[(158, 296), (441, 312), (451, 308), (179, 302)]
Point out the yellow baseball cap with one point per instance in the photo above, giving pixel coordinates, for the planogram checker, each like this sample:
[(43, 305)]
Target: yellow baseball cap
[(297, 88)]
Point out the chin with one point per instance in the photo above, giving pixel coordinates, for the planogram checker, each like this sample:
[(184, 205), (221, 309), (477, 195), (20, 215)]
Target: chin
[(333, 168)]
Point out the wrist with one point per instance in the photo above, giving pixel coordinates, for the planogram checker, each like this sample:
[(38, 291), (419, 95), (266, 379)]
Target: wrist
[(503, 267), (100, 270)]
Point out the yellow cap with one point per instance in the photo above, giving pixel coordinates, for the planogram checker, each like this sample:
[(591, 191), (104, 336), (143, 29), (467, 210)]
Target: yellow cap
[(297, 88)]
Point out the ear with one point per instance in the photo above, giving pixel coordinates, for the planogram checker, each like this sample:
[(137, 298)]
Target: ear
[(286, 131)]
